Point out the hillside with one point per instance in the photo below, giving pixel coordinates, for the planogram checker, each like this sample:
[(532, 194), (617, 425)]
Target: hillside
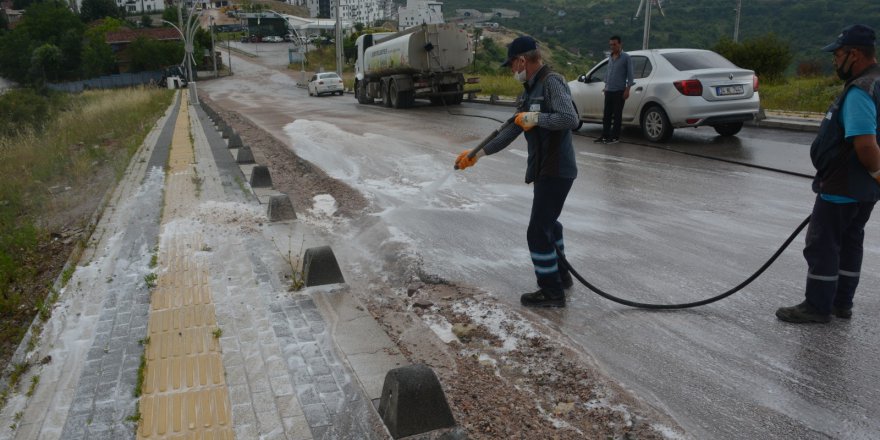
[(585, 25)]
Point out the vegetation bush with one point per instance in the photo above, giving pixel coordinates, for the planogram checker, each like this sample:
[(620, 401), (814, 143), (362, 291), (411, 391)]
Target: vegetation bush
[(812, 94), (767, 55), (63, 141), (52, 44), (26, 110)]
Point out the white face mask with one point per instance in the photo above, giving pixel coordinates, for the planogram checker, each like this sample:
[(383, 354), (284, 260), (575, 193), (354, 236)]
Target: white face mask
[(520, 77)]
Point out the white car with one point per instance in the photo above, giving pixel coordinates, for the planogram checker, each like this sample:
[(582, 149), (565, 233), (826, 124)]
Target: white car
[(675, 88), (328, 82), (273, 39)]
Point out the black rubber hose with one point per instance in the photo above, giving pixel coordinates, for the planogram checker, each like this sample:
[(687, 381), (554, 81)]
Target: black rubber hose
[(745, 283)]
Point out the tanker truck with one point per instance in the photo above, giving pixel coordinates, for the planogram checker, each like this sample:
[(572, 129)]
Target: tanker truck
[(421, 62)]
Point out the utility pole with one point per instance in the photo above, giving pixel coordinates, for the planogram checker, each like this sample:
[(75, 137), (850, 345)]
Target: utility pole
[(213, 51), (229, 53), (339, 51), (739, 5), (647, 34)]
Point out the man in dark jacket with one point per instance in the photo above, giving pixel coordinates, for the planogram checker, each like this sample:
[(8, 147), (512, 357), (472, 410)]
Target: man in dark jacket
[(847, 160), (546, 115)]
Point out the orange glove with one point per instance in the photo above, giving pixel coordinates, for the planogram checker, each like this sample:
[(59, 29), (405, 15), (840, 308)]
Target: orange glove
[(463, 161), (527, 120)]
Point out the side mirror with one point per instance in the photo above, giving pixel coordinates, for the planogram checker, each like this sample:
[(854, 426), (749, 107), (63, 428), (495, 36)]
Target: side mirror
[(582, 78)]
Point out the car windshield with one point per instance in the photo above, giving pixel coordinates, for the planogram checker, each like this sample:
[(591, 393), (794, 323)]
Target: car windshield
[(328, 76), (684, 61)]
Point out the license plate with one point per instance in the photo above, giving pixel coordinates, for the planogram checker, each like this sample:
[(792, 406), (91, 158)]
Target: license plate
[(729, 90)]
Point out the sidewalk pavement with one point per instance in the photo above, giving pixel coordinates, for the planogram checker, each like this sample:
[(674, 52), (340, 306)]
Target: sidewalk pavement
[(801, 121), (180, 297)]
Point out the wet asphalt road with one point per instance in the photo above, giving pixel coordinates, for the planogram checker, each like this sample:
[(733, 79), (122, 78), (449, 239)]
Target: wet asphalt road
[(645, 223)]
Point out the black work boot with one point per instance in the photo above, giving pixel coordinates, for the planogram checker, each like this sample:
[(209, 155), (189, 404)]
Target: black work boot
[(841, 312), (545, 297), (801, 313), (567, 282)]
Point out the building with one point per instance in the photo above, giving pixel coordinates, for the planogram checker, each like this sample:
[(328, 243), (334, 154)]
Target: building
[(132, 7), (356, 11), (418, 12)]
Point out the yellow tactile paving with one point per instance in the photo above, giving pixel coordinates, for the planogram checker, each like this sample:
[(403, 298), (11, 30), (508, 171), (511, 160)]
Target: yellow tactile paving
[(184, 390)]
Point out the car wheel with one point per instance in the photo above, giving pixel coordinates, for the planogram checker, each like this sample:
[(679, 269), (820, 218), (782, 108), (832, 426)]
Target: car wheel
[(655, 124), (728, 129)]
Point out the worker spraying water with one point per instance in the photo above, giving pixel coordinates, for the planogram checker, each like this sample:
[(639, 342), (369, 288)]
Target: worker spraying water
[(546, 115), (846, 163)]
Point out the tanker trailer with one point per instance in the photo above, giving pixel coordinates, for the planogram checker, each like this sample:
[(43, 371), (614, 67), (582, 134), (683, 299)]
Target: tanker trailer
[(420, 62)]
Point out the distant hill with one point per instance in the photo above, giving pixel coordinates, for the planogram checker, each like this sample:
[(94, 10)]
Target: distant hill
[(585, 25)]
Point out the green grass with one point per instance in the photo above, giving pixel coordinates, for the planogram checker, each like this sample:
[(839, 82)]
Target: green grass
[(800, 94), (58, 141)]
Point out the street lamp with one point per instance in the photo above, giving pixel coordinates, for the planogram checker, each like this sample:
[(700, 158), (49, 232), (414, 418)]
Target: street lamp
[(738, 9), (187, 33)]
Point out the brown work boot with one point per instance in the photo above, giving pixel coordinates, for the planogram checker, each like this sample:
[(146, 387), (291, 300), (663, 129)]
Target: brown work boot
[(545, 297), (801, 313)]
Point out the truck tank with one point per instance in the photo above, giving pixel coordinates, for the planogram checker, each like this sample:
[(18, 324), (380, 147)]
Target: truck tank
[(430, 48)]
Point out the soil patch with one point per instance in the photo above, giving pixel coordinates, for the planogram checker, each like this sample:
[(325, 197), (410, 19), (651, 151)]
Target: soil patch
[(504, 375)]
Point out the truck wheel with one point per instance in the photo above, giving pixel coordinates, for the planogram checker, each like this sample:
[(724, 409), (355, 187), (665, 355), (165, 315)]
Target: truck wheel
[(361, 93), (452, 99), (394, 95), (384, 89), (398, 98)]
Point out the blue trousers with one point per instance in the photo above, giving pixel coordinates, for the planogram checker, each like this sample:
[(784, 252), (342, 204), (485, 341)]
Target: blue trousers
[(545, 231), (834, 253)]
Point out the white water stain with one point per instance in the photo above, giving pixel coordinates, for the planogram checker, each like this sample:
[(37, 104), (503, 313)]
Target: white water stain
[(324, 205), (441, 327)]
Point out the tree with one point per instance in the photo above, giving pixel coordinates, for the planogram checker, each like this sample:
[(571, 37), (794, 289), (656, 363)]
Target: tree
[(151, 54), (21, 4), (170, 15), (48, 22), (767, 55), (97, 59), (146, 21), (15, 51), (96, 9), (45, 63)]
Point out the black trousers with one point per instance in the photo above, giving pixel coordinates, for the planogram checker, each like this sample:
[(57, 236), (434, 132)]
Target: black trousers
[(613, 112), (545, 231), (834, 253)]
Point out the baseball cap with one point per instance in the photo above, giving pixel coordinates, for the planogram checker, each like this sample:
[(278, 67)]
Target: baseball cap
[(519, 46), (855, 35)]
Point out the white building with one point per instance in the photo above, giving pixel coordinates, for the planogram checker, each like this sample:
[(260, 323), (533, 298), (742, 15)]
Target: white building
[(139, 6), (357, 11), (418, 12)]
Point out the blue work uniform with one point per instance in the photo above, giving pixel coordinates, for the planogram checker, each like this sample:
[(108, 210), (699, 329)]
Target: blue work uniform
[(551, 166), (846, 194)]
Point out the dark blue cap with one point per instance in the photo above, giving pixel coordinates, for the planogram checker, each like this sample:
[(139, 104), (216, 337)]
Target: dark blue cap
[(855, 35), (519, 46)]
